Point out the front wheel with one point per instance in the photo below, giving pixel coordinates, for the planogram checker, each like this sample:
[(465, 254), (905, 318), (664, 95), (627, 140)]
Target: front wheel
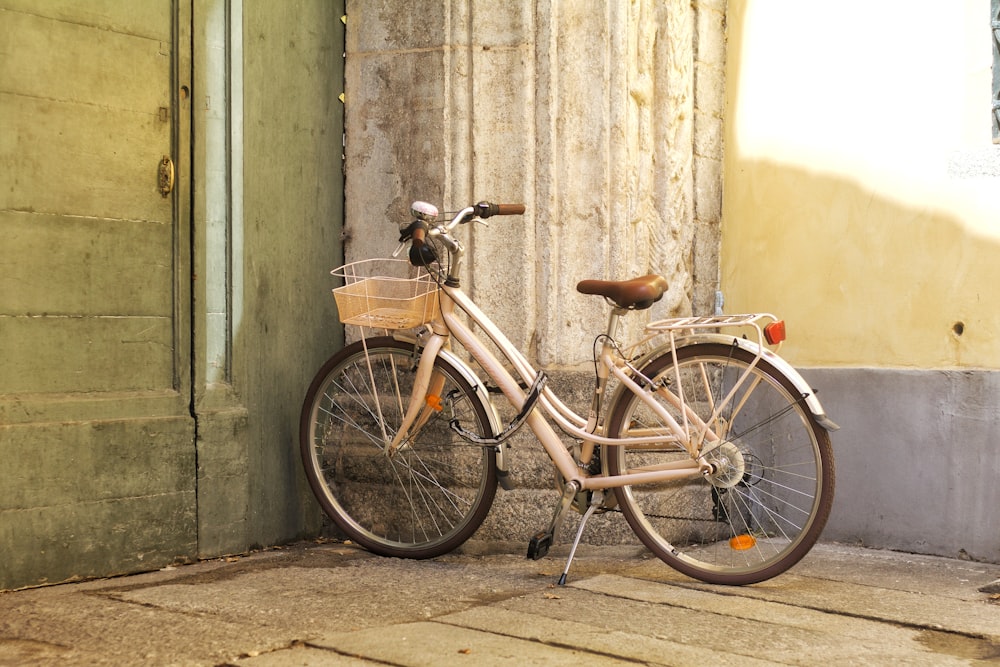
[(435, 491), (771, 488)]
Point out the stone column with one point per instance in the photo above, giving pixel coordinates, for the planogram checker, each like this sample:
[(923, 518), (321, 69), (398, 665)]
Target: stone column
[(709, 110), (584, 111)]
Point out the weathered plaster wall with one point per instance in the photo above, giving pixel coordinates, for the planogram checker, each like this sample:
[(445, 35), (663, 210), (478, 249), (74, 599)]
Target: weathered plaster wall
[(917, 472), (860, 205)]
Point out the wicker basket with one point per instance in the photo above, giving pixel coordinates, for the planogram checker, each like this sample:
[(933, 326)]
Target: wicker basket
[(385, 294)]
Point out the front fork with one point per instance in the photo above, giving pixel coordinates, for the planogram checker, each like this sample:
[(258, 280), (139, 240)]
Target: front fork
[(425, 399)]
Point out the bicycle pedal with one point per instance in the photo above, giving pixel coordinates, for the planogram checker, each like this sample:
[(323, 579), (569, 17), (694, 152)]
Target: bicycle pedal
[(539, 545)]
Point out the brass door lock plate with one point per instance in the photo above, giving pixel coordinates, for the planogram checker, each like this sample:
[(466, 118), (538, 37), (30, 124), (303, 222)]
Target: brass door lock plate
[(166, 175)]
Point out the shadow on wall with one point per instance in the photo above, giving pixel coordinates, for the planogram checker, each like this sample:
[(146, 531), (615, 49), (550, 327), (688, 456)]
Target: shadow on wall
[(862, 279), (891, 310)]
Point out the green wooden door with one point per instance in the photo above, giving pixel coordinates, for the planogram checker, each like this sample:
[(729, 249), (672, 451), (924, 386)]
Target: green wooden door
[(96, 436)]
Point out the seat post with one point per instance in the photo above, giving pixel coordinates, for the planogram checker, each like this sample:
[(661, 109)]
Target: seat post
[(614, 319), (603, 373)]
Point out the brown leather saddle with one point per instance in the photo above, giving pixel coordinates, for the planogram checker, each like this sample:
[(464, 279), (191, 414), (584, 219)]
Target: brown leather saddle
[(634, 294)]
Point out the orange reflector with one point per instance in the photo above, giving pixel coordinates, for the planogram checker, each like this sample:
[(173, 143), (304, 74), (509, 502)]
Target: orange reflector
[(742, 542), (775, 332), (434, 402)]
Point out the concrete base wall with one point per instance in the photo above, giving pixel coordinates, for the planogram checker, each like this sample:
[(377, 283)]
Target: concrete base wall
[(917, 459)]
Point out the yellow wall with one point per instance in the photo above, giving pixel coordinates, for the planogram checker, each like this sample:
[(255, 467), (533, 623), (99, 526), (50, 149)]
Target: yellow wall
[(862, 187)]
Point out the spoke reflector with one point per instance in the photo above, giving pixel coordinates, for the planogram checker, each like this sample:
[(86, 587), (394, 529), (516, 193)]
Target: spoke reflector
[(742, 542)]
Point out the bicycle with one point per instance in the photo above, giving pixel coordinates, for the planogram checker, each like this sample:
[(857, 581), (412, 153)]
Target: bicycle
[(714, 449)]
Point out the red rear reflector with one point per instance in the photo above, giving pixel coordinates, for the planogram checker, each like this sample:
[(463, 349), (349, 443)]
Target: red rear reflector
[(775, 332)]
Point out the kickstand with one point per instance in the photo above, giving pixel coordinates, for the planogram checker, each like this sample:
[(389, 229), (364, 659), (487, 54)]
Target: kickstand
[(540, 542), (576, 542)]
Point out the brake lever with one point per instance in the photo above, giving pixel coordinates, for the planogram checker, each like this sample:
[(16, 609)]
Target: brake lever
[(399, 249)]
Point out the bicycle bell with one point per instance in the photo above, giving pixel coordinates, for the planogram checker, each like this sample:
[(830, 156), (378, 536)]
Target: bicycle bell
[(421, 210)]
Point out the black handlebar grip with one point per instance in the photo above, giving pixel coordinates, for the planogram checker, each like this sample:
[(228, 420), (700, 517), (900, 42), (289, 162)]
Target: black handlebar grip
[(419, 234), (421, 254)]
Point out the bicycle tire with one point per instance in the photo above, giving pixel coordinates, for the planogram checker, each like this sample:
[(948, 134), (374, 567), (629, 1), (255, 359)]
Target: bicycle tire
[(769, 499), (434, 492)]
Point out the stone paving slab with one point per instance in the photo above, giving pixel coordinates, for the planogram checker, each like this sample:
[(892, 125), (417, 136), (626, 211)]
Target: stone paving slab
[(338, 605), (911, 609), (649, 645), (784, 633), (302, 655), (433, 644)]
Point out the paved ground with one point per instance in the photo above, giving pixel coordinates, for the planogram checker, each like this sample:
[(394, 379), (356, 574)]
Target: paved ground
[(333, 604)]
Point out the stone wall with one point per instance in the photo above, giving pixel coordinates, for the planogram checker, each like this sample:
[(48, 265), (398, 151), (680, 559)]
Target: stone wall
[(603, 118)]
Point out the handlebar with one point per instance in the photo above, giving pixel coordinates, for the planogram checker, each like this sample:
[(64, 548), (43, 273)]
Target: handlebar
[(485, 209), (426, 225)]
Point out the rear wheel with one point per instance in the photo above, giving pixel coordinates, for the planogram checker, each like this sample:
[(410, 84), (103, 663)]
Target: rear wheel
[(434, 492), (770, 493)]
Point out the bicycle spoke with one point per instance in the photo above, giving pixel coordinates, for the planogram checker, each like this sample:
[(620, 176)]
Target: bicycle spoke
[(762, 507), (426, 498)]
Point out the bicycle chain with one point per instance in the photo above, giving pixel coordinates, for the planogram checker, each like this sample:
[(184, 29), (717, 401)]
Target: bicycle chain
[(616, 510)]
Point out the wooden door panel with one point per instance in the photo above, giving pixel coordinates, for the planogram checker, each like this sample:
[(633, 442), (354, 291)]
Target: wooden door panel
[(99, 474), (90, 271)]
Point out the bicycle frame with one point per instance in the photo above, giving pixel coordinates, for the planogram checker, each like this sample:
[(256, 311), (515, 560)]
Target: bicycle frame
[(453, 300), (691, 435)]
